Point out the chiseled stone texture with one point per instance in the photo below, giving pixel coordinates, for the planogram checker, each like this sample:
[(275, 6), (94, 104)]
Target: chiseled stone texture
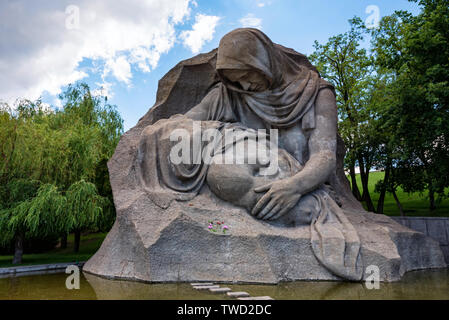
[(219, 290), (436, 228), (177, 246), (239, 294), (172, 245)]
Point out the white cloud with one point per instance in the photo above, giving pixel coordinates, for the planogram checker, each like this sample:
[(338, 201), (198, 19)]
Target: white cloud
[(42, 45), (120, 68), (57, 103), (261, 3), (104, 89), (250, 21), (202, 31), (46, 107)]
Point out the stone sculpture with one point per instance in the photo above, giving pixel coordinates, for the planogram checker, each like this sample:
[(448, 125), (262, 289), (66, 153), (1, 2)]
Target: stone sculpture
[(290, 217)]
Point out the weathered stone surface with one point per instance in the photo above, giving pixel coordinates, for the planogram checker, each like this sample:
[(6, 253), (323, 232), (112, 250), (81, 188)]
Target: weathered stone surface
[(437, 228), (199, 284), (445, 250), (447, 230), (206, 287), (178, 246), (239, 294), (256, 298), (220, 290), (174, 244), (418, 225), (434, 229), (402, 220)]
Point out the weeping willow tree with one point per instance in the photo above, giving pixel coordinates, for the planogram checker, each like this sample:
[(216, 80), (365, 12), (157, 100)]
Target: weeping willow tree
[(85, 208), (90, 129), (21, 141), (53, 174), (48, 211), (39, 214)]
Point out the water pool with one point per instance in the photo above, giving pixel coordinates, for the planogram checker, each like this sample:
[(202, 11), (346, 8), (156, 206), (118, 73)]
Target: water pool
[(429, 284)]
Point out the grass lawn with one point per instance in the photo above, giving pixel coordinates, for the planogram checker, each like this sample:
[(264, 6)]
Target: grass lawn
[(414, 204), (90, 243)]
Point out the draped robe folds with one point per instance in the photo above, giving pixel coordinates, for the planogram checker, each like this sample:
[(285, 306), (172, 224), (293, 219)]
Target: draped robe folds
[(290, 100)]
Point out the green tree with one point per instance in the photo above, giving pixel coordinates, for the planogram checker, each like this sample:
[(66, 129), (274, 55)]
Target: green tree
[(94, 129), (63, 154), (21, 138), (349, 67), (412, 55), (84, 208)]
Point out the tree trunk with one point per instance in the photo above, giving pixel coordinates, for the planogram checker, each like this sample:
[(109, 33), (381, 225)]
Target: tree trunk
[(64, 241), (401, 210), (364, 176), (354, 187), (18, 248), (383, 191), (76, 247)]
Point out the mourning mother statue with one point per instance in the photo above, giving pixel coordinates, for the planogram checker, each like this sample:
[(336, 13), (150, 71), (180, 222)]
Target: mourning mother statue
[(287, 223)]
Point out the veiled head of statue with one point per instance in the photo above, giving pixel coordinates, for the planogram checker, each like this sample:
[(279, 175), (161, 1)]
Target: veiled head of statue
[(248, 57), (248, 80)]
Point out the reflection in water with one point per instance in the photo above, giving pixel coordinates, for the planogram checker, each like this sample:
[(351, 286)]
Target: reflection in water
[(115, 289), (429, 284), (433, 284), (46, 286)]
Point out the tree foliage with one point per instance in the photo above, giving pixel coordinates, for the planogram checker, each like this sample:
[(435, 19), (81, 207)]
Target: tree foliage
[(393, 100), (349, 67), (51, 161), (412, 56)]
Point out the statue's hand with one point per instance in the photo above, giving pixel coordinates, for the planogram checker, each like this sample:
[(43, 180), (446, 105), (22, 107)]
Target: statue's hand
[(280, 197)]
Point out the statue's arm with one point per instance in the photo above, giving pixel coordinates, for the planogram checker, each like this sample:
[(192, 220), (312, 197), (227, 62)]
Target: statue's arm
[(322, 145), (282, 195)]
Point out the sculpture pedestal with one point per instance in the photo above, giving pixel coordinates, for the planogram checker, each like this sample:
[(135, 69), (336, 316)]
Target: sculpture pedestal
[(175, 245)]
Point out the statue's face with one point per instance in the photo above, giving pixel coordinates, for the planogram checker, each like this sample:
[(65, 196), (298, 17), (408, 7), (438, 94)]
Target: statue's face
[(248, 80)]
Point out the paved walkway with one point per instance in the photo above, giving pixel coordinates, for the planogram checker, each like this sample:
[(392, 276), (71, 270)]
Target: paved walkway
[(38, 268)]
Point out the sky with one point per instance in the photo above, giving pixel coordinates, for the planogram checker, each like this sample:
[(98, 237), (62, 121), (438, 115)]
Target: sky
[(121, 48)]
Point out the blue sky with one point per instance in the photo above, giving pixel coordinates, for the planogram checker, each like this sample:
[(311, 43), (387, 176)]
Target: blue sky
[(292, 23)]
